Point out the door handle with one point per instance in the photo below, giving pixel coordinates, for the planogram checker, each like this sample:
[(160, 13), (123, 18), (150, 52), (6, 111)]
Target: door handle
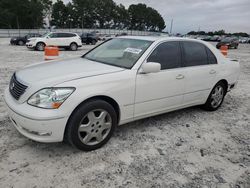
[(212, 71), (180, 76)]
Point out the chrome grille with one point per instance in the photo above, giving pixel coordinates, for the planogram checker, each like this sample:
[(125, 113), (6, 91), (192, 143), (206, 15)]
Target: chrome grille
[(16, 88)]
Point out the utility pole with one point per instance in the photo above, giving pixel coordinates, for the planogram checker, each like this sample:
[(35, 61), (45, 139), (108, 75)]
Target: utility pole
[(171, 27)]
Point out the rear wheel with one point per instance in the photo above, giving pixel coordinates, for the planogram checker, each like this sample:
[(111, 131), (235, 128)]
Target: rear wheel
[(93, 42), (40, 46), (91, 125), (20, 43), (73, 46), (216, 97)]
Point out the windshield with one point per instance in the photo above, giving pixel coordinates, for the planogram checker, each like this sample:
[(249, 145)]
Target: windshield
[(119, 52)]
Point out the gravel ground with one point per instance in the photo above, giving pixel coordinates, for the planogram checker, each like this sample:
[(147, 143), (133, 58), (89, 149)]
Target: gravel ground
[(186, 148)]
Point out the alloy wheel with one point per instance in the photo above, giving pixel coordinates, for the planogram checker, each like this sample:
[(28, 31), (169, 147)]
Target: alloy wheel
[(217, 96), (94, 127), (73, 47), (40, 47)]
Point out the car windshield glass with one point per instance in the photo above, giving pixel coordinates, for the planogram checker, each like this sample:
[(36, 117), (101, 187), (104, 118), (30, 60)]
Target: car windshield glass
[(119, 52)]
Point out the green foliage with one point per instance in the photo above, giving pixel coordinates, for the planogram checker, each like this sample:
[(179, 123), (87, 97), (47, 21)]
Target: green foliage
[(30, 14), (106, 14), (220, 32), (145, 18), (27, 14)]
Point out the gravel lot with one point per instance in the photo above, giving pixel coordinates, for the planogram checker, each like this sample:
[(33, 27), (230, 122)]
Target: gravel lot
[(186, 148)]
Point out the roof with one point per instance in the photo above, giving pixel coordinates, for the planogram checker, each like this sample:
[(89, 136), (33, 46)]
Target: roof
[(159, 38)]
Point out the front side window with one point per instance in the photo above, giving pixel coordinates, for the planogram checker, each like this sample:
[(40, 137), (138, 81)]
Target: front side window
[(119, 52), (53, 35), (167, 54), (194, 54)]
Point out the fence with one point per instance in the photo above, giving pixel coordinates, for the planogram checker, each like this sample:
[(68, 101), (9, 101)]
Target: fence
[(5, 33)]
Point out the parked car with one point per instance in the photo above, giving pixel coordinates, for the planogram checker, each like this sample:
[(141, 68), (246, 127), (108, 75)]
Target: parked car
[(89, 38), (121, 34), (244, 40), (207, 38), (22, 40), (215, 38), (82, 100), (63, 40), (230, 42), (106, 37)]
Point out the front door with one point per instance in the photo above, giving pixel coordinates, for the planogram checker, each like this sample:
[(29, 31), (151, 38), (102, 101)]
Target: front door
[(162, 91)]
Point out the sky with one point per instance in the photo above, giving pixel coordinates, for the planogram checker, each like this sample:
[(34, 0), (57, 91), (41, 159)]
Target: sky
[(204, 15)]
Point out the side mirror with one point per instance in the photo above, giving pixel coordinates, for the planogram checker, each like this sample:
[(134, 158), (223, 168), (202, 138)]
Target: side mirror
[(150, 67)]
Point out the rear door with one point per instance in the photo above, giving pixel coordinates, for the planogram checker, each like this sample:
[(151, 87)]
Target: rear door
[(52, 40), (63, 39), (161, 91), (201, 70)]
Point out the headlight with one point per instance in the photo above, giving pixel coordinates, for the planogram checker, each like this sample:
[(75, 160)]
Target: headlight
[(31, 40), (50, 98)]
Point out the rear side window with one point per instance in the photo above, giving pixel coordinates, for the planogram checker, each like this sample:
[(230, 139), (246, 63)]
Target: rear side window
[(211, 57), (65, 35), (194, 54), (70, 35), (167, 54)]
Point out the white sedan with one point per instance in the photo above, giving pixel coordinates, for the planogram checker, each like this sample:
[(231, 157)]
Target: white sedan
[(124, 79)]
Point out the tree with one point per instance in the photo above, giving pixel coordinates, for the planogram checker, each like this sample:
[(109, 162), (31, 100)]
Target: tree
[(59, 14), (145, 18), (22, 13), (120, 17)]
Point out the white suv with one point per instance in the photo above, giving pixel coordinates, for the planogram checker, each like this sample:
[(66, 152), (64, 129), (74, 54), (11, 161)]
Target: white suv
[(64, 40)]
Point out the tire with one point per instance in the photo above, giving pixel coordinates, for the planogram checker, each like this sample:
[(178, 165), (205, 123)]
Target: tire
[(73, 46), (216, 97), (93, 42), (91, 125), (40, 46), (20, 43)]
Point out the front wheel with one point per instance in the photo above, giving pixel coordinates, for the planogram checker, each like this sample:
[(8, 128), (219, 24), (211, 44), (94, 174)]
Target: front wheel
[(40, 46), (93, 42), (91, 125), (216, 97)]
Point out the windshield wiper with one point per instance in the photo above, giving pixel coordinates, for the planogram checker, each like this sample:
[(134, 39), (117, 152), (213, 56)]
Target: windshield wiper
[(120, 66)]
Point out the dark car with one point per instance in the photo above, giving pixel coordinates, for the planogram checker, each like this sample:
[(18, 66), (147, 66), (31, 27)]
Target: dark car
[(22, 40), (89, 38), (230, 42), (121, 34)]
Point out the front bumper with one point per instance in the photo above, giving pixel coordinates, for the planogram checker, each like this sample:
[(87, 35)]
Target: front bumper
[(30, 45), (41, 130)]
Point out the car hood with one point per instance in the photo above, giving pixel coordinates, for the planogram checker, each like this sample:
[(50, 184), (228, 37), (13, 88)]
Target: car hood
[(51, 73)]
